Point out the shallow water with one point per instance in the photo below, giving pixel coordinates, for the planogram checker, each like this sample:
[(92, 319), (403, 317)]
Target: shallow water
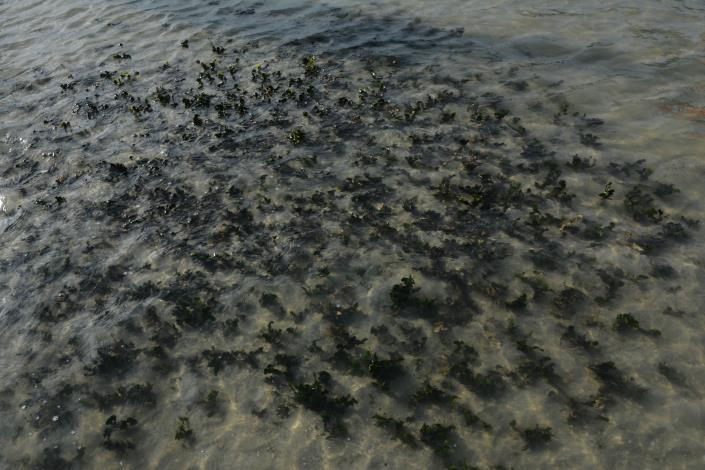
[(207, 259)]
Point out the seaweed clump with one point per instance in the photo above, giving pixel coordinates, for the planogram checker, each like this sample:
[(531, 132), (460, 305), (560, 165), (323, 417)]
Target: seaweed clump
[(396, 428), (401, 294), (133, 394), (183, 430), (534, 438), (124, 428), (405, 298), (615, 383), (114, 360), (383, 371), (438, 437), (625, 322), (318, 398)]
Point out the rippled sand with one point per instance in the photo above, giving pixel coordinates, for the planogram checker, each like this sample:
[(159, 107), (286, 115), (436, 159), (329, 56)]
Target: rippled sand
[(305, 235)]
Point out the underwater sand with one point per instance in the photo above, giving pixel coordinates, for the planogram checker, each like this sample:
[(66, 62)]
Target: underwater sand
[(451, 234)]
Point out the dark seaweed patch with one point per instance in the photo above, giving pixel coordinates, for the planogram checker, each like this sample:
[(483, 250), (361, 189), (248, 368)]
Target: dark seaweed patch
[(396, 428), (615, 383), (119, 435), (216, 360), (430, 394), (401, 293), (640, 205), (134, 394), (490, 384), (383, 371), (114, 360), (438, 437), (672, 374), (471, 419), (183, 431), (568, 299), (53, 458), (318, 398), (534, 438), (573, 337), (625, 323), (193, 312)]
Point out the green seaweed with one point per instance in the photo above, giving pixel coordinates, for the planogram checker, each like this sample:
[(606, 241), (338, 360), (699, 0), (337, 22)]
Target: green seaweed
[(310, 64), (297, 136), (608, 192)]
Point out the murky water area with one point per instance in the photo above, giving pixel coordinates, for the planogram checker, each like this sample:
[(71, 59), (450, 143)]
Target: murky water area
[(295, 234)]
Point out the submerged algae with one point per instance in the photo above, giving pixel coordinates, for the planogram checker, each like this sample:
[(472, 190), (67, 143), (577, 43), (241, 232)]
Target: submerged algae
[(310, 201)]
